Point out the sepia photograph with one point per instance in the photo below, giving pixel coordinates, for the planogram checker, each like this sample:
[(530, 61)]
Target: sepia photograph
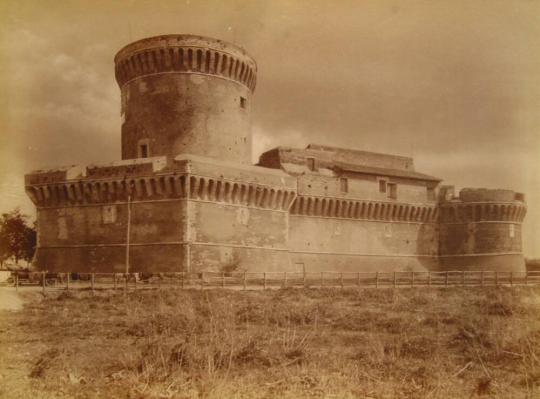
[(269, 199)]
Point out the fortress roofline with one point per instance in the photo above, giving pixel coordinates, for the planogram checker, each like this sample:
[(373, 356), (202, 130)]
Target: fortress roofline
[(227, 164), (370, 170), (184, 38), (345, 160), (320, 147)]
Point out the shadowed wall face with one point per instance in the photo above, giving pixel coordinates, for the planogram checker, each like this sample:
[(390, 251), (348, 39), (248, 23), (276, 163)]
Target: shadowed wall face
[(481, 230)]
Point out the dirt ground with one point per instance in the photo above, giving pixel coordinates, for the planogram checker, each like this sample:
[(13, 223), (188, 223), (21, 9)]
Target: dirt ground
[(291, 343)]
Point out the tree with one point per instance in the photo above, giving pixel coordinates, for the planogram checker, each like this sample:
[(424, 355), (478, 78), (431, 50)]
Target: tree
[(17, 238)]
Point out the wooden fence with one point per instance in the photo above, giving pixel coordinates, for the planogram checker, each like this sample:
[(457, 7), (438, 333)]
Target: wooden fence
[(264, 280)]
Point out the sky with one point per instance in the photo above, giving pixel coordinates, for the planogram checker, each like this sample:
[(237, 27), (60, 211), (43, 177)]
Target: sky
[(456, 84)]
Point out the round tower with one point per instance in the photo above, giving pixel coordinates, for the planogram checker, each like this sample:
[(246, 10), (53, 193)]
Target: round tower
[(185, 94), (481, 230)]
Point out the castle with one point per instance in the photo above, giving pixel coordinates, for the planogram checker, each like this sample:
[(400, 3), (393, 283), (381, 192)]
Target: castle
[(185, 196)]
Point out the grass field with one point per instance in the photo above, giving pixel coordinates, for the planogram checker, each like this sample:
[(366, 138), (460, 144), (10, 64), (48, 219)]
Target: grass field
[(292, 343)]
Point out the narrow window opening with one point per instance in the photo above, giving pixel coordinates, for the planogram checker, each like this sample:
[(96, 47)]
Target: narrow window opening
[(392, 191), (431, 193), (382, 186), (143, 151), (344, 185), (243, 102)]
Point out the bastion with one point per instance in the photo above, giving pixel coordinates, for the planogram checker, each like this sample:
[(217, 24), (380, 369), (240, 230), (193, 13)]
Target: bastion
[(185, 196)]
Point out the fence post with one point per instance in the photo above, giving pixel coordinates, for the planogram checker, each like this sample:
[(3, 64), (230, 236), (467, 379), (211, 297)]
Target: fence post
[(159, 282), (183, 281), (395, 279), (304, 279), (358, 279), (17, 280), (341, 279), (429, 279), (511, 279), (446, 279), (43, 281), (412, 279), (125, 284), (92, 282), (496, 278), (135, 281), (222, 279), (322, 279), (264, 281), (463, 277), (245, 281), (285, 280), (526, 278), (482, 278), (376, 279)]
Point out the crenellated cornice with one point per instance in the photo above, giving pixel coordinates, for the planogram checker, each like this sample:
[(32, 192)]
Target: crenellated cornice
[(185, 54), (159, 187), (470, 212), (364, 210)]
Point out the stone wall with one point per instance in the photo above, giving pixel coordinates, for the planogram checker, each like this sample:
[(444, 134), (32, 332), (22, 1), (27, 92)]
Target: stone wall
[(195, 214)]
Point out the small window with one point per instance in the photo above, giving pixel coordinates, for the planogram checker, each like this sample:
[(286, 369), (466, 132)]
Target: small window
[(143, 150), (108, 214), (243, 102), (344, 185), (382, 186), (312, 164), (431, 193), (392, 191)]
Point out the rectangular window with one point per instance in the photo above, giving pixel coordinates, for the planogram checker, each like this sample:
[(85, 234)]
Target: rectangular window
[(143, 150), (312, 164), (382, 186), (344, 185), (108, 214), (392, 191), (243, 102)]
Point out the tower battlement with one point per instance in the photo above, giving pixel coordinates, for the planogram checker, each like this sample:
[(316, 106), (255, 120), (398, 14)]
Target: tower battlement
[(481, 204), (185, 54)]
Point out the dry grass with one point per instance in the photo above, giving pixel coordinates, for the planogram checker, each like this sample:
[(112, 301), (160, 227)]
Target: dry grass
[(293, 343)]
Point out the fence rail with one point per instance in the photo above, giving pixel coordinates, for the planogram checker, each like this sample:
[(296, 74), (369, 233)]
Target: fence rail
[(264, 280)]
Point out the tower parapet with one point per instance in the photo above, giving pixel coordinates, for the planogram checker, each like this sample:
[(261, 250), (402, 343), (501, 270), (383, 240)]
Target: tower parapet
[(188, 54), (481, 229), (482, 205), (186, 94)]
